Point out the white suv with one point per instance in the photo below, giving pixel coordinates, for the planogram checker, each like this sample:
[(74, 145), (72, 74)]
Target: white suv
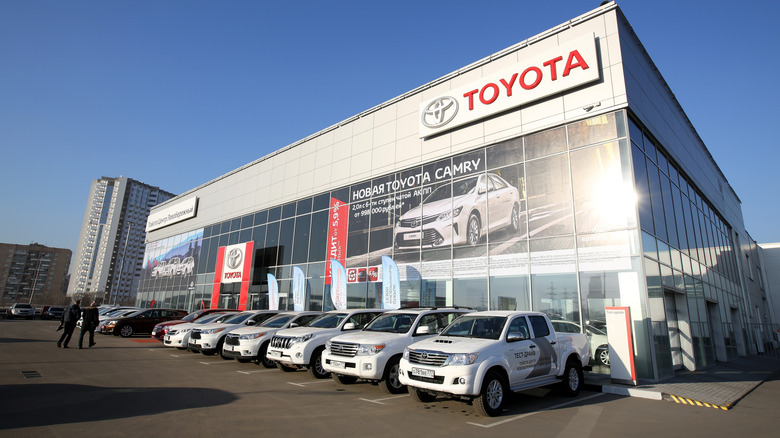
[(208, 339), (179, 335), (374, 352), (251, 343), (302, 347)]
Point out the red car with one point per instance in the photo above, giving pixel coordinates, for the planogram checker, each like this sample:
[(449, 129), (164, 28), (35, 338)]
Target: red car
[(160, 329)]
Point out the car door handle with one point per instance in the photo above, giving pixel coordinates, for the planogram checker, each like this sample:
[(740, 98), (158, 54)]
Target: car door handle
[(553, 343), (532, 346)]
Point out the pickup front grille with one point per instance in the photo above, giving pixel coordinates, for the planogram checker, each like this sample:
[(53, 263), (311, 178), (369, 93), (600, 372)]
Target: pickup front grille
[(425, 357), (343, 349), (232, 340), (281, 342)]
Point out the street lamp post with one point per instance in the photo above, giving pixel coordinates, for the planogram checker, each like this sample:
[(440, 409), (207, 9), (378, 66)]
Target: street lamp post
[(114, 286)]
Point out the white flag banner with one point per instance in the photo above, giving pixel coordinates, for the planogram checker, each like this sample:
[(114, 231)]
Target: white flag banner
[(273, 293), (299, 289), (391, 285), (338, 284)]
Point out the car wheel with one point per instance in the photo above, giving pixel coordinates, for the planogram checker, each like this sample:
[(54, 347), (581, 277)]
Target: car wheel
[(473, 229), (421, 395), (572, 378), (491, 398), (262, 359), (126, 331), (602, 357), (515, 218), (315, 366), (221, 344), (344, 380), (390, 382)]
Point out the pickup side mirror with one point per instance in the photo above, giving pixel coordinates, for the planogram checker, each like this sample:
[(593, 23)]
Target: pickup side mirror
[(423, 330), (515, 337), (350, 326)]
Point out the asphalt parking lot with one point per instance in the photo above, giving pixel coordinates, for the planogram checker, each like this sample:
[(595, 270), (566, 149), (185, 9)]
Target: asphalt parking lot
[(127, 387)]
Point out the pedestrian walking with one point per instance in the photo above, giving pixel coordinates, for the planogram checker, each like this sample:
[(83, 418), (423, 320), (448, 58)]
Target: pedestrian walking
[(69, 319), (89, 324)]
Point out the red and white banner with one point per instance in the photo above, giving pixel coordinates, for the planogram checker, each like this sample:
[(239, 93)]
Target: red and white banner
[(338, 220), (234, 265)]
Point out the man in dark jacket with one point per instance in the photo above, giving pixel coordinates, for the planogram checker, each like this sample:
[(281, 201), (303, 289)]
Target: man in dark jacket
[(89, 324), (69, 319)]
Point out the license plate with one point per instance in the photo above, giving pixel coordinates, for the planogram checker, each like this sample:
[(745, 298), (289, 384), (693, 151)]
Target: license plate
[(412, 236), (274, 353), (337, 364), (421, 372)]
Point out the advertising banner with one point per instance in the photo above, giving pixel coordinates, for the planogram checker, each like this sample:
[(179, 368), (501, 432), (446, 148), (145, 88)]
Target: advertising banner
[(338, 285), (621, 347), (273, 293), (337, 234), (299, 289), (391, 285), (233, 263)]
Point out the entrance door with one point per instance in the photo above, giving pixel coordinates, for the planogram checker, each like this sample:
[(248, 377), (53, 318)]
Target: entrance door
[(673, 326)]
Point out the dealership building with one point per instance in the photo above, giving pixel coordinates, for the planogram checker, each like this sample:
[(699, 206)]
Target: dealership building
[(560, 175)]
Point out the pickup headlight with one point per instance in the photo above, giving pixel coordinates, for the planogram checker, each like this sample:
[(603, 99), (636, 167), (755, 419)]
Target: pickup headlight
[(463, 359), (211, 331), (250, 336), (369, 350), (298, 339)]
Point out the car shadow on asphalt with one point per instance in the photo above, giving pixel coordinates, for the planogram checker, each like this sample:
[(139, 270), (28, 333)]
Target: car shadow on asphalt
[(51, 404)]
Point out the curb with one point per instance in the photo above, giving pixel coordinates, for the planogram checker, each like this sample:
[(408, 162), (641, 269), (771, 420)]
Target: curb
[(687, 401)]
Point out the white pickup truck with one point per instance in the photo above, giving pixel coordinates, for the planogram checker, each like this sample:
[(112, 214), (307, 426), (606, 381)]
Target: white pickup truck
[(374, 352), (483, 355)]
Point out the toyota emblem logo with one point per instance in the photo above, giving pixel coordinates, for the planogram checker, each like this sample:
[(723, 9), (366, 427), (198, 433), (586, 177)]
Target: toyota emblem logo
[(440, 112), (424, 356), (234, 258), (415, 223)]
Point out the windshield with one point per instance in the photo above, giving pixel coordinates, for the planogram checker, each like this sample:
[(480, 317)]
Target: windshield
[(238, 319), (134, 313), (192, 316), (278, 321), (392, 323), (328, 320), (212, 317), (484, 327)]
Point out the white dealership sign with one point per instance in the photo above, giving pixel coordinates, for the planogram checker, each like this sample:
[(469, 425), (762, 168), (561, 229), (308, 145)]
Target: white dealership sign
[(172, 214), (567, 66)]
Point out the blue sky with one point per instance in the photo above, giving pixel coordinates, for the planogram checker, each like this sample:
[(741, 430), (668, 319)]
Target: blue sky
[(176, 93)]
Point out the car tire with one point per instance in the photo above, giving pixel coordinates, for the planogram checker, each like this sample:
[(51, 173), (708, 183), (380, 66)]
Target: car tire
[(602, 357), (125, 331), (515, 218), (390, 382), (220, 345), (490, 401), (262, 358), (473, 230), (315, 365), (572, 378), (421, 395), (344, 380)]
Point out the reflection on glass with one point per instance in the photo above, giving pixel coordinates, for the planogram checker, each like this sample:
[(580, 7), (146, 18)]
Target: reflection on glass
[(549, 197)]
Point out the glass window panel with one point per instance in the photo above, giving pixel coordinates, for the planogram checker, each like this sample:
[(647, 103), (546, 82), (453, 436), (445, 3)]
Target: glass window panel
[(304, 206), (381, 234), (247, 221), (321, 202), (505, 153), (602, 200), (272, 243), (274, 214), (319, 236), (671, 223), (556, 295), (642, 191), (650, 149), (545, 143), (471, 292), (288, 210), (656, 198), (301, 239), (258, 236), (224, 227), (635, 133), (245, 235), (510, 293), (594, 130), (233, 239), (286, 234), (261, 217), (549, 196)]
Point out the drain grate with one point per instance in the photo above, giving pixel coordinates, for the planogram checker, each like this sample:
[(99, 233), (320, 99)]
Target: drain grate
[(31, 374)]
